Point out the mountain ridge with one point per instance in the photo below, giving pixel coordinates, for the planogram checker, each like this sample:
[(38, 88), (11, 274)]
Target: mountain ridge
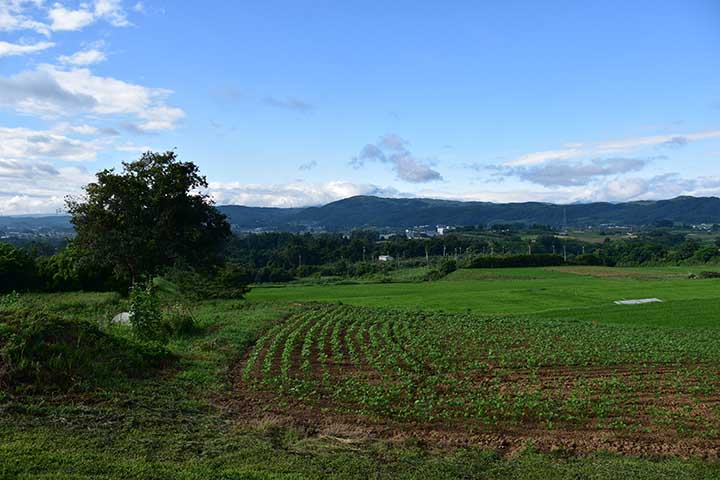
[(381, 212), (365, 211)]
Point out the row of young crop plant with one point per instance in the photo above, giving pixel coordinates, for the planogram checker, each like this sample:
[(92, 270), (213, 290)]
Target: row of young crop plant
[(490, 370)]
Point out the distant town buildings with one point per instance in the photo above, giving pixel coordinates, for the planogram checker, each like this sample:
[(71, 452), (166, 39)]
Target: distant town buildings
[(426, 231), (704, 227), (443, 229)]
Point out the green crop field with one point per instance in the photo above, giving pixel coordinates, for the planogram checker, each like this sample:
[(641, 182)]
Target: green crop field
[(472, 374), (585, 292)]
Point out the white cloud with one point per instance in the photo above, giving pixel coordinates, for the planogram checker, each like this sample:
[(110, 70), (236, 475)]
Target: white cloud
[(112, 11), (19, 15), (162, 117), (621, 189), (38, 93), (38, 187), (134, 148), (600, 165), (114, 96), (541, 157), (573, 172), (302, 194), (65, 19), (8, 49), (668, 185), (13, 16), (29, 181), (27, 144), (111, 96), (577, 150), (65, 128), (22, 169), (295, 194), (83, 57), (393, 141), (83, 129), (515, 195), (391, 149), (632, 143), (50, 91)]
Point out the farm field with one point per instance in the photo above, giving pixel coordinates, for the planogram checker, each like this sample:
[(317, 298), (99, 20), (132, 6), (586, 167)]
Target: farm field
[(499, 381), (498, 374), (576, 292)]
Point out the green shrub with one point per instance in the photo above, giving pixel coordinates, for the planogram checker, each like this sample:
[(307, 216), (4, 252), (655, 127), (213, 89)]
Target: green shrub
[(43, 352), (230, 281), (145, 314), (448, 266), (9, 301), (178, 321), (433, 275), (227, 282)]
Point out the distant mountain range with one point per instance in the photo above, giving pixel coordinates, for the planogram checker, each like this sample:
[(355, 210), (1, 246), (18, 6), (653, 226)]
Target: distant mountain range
[(365, 211), (396, 213), (37, 224)]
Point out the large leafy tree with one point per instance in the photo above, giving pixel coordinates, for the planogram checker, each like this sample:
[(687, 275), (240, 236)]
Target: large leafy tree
[(149, 216)]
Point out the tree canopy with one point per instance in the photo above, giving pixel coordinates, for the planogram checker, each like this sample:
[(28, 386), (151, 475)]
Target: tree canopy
[(151, 215)]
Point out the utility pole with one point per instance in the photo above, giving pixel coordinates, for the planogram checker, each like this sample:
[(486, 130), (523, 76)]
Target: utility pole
[(529, 248), (444, 249), (363, 254), (564, 253), (427, 256)]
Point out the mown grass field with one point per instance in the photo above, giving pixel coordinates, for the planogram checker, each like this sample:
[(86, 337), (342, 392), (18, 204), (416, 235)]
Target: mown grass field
[(503, 374), (567, 292)]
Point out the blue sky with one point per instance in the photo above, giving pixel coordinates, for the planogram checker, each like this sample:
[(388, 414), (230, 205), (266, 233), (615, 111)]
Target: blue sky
[(302, 103)]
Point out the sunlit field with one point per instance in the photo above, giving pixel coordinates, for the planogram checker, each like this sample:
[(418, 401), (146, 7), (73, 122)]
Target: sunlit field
[(508, 373), (568, 292)]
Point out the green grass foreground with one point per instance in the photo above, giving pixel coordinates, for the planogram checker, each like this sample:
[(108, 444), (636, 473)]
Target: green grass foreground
[(172, 426)]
